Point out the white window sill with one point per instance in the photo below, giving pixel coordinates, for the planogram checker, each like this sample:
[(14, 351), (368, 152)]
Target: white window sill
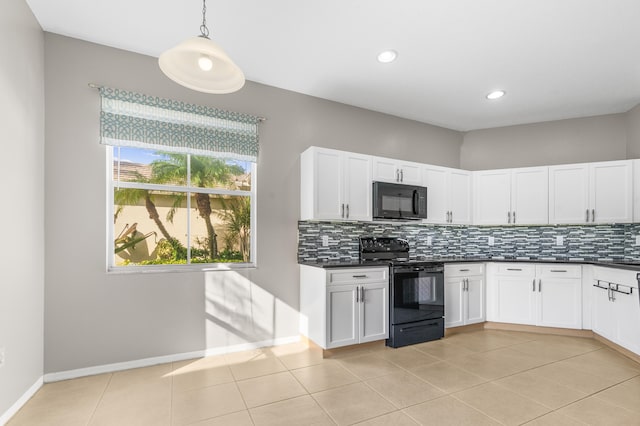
[(161, 269)]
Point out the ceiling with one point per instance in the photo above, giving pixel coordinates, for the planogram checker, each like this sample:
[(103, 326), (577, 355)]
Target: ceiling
[(555, 59)]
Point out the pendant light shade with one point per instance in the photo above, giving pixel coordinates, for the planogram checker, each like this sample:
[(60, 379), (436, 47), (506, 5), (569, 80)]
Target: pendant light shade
[(200, 64)]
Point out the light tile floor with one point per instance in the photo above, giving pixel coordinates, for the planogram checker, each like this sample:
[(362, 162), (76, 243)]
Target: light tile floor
[(486, 377)]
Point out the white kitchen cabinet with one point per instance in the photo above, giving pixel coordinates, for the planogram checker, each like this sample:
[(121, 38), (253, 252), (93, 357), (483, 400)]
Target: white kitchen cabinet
[(511, 196), (591, 193), (344, 306), (335, 185), (616, 307), (464, 294), (559, 296), (448, 195), (543, 295), (397, 171)]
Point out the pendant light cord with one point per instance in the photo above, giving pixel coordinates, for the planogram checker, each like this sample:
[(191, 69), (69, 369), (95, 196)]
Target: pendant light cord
[(204, 31)]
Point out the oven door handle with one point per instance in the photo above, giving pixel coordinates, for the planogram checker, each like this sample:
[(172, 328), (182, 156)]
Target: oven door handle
[(418, 326)]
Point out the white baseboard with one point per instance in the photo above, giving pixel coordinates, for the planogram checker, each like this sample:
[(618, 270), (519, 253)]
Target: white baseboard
[(146, 362), (4, 418)]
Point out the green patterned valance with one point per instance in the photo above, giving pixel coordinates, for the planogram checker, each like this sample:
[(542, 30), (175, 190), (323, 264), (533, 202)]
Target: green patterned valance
[(133, 119)]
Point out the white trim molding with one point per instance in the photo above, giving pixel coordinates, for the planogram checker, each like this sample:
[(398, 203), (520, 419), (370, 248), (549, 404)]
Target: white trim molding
[(146, 362), (6, 416)]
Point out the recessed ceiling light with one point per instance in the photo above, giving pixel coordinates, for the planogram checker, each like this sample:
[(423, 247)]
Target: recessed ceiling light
[(497, 94), (387, 56)]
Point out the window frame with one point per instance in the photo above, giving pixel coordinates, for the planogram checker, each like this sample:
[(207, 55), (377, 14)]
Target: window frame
[(112, 184)]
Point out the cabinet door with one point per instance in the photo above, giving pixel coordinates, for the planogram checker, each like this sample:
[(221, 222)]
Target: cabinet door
[(475, 307), (410, 173), (530, 195), (636, 190), (357, 186), (342, 316), (454, 302), (385, 170), (328, 184), (568, 193), (560, 302), (603, 315), (492, 197), (374, 308), (515, 300), (460, 196), (627, 307), (611, 194), (435, 179)]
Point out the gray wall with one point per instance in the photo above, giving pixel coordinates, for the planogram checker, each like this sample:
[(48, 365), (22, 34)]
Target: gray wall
[(576, 140), (22, 212), (633, 132), (94, 318)]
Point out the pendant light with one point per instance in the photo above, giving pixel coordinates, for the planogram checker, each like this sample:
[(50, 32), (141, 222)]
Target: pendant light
[(200, 64)]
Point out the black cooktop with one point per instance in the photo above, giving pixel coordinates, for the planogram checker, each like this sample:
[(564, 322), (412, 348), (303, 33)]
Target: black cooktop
[(392, 249)]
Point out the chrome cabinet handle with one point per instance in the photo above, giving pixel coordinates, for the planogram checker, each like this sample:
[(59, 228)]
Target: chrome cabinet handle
[(514, 217), (342, 214), (467, 284), (463, 270), (357, 294), (450, 216), (347, 211), (593, 215), (558, 270), (359, 276), (514, 269), (401, 175), (540, 285), (508, 217), (587, 215), (534, 285), (362, 294)]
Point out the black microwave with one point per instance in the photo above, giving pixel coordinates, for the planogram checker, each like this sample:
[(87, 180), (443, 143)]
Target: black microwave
[(399, 202)]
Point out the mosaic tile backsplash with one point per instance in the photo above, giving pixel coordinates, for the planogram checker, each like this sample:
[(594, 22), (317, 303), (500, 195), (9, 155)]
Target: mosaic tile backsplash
[(580, 242)]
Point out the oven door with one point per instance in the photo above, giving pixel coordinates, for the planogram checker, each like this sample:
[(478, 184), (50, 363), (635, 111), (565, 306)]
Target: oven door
[(417, 294)]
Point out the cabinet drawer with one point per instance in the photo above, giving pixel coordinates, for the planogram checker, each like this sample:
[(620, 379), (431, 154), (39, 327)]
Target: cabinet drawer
[(463, 269), (357, 275), (559, 271), (516, 269)]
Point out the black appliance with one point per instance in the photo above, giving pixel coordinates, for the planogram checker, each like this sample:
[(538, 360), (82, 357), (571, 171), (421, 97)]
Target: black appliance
[(399, 202), (416, 291)]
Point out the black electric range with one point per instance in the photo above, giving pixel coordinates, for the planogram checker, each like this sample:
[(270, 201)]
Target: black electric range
[(416, 291)]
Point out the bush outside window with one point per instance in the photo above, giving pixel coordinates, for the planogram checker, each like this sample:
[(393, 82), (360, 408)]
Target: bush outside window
[(180, 209)]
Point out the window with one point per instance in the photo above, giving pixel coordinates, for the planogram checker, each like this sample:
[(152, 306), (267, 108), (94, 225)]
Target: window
[(182, 190)]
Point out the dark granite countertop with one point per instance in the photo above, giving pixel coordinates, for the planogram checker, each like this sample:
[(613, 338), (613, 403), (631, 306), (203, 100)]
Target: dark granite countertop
[(353, 263)]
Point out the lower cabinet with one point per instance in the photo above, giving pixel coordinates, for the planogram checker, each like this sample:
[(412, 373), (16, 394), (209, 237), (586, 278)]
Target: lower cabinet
[(616, 307), (464, 294), (344, 306), (542, 295)]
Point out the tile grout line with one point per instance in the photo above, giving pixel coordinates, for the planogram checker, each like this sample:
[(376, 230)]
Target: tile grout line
[(95, 409)]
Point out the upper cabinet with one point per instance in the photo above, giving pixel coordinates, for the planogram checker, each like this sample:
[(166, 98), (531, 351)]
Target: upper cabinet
[(448, 195), (396, 171), (511, 196), (591, 193), (335, 185)]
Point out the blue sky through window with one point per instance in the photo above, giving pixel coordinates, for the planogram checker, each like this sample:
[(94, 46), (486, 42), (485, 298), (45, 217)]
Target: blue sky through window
[(147, 156)]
